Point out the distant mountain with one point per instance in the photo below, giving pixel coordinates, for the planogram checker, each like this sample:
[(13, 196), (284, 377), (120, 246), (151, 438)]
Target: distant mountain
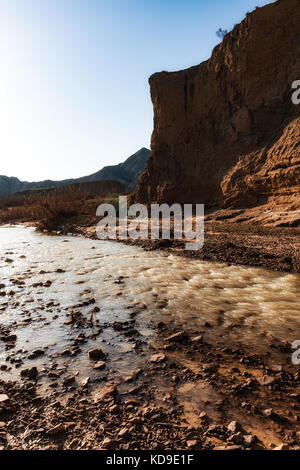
[(126, 173)]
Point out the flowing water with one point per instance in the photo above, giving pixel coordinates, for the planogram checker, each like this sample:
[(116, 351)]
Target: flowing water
[(229, 304)]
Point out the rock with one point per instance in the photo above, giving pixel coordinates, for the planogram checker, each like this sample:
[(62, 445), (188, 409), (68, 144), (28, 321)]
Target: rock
[(66, 352), (4, 399), (267, 380), (53, 375), (180, 337), (68, 381), (211, 368), (268, 413), (3, 437), (282, 447), (96, 354), (100, 365), (124, 432), (158, 358), (69, 424), (56, 430), (36, 353), (260, 137), (110, 391), (161, 326), (203, 416), (113, 409), (236, 438), (222, 448), (215, 430), (192, 444), (107, 443), (30, 373), (85, 382), (197, 339), (234, 427), (249, 440)]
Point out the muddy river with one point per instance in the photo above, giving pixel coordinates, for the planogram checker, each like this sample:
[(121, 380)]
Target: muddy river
[(45, 278)]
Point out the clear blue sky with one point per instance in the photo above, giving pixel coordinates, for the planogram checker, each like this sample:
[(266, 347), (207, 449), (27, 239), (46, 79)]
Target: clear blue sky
[(74, 92)]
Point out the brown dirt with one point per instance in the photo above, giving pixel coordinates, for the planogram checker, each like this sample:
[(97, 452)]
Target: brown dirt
[(276, 248), (187, 391), (184, 397)]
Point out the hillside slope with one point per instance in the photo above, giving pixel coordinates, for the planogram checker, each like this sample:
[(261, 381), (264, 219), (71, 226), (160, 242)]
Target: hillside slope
[(126, 173)]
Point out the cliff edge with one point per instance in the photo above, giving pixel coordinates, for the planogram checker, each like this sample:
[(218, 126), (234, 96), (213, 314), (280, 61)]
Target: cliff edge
[(226, 132)]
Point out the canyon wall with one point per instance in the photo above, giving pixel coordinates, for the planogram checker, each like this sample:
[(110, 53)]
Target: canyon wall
[(226, 132)]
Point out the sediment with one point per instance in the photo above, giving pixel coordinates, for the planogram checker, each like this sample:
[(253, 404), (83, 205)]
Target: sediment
[(244, 401)]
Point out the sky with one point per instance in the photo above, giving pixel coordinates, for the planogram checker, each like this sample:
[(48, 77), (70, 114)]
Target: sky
[(74, 93)]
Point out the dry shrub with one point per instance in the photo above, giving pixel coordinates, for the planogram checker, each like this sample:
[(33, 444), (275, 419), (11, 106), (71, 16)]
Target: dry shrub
[(55, 209), (49, 208)]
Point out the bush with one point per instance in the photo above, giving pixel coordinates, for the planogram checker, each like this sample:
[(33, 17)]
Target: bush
[(221, 33), (57, 208)]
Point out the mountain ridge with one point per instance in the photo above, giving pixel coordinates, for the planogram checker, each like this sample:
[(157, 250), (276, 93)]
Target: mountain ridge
[(126, 173)]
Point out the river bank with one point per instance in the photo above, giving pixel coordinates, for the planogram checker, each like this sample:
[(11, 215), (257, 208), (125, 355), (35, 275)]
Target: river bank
[(102, 348), (275, 248), (264, 236)]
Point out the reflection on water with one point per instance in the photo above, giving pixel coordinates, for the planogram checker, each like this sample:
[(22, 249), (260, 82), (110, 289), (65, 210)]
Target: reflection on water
[(239, 303)]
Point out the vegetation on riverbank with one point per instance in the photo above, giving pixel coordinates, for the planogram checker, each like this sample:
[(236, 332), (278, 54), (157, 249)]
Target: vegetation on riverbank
[(73, 210), (50, 210)]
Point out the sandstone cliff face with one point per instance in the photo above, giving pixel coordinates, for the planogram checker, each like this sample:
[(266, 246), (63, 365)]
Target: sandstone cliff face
[(226, 132)]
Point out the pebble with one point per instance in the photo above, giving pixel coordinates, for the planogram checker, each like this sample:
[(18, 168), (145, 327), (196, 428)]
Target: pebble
[(4, 398), (234, 427), (100, 365), (96, 354), (180, 337), (158, 358)]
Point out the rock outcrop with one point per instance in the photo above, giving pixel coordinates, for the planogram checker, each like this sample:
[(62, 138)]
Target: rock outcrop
[(226, 132)]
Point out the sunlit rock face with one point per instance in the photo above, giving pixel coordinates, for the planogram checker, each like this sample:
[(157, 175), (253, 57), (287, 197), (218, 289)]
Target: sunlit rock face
[(226, 131)]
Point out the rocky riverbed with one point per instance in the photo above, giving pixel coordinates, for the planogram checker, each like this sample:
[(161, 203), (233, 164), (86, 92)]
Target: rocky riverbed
[(106, 346)]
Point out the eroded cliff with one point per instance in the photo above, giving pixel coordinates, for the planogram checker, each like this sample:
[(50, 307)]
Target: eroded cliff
[(226, 132)]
